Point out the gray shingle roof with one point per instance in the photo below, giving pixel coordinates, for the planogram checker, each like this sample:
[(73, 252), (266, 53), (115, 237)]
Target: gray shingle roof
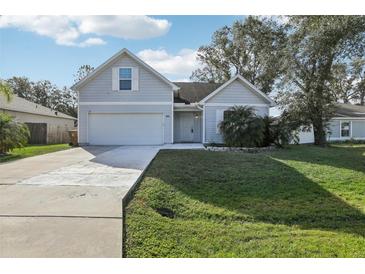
[(349, 110), (22, 105), (192, 92)]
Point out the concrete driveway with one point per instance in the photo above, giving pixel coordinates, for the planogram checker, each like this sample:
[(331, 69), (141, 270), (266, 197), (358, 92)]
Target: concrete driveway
[(68, 203)]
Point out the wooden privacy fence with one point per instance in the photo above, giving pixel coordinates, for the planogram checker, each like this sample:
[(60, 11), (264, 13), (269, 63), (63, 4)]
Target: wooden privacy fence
[(38, 133)]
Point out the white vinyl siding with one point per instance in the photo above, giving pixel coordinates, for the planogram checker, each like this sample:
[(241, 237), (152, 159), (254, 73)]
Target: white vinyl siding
[(219, 114), (358, 129), (305, 136), (115, 79), (237, 93), (334, 129), (149, 95), (102, 88)]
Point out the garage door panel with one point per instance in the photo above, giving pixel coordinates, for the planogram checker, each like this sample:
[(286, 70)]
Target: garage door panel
[(125, 129)]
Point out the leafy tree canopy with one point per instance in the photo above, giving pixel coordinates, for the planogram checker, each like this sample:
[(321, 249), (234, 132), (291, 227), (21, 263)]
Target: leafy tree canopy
[(316, 46), (348, 81), (6, 90), (47, 94), (82, 72), (252, 48)]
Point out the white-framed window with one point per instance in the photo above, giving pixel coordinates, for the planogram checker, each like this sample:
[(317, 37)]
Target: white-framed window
[(125, 78), (346, 129)]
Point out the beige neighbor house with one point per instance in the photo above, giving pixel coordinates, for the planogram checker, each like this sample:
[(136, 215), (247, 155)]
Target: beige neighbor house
[(46, 125)]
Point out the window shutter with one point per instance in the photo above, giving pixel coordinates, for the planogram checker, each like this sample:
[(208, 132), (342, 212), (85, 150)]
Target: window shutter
[(135, 79), (218, 118), (115, 79)]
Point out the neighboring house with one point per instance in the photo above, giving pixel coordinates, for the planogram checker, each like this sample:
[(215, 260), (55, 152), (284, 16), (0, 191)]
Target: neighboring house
[(348, 123), (46, 126), (126, 102)]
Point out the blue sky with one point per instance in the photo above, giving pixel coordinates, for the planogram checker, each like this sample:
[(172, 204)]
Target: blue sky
[(52, 48)]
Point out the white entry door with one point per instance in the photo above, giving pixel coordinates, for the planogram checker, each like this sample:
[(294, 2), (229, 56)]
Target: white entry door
[(186, 127), (125, 129)]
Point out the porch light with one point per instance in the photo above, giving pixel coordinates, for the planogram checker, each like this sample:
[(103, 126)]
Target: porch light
[(196, 116)]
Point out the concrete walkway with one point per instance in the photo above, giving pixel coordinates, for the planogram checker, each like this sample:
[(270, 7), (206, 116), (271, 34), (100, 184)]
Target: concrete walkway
[(68, 203)]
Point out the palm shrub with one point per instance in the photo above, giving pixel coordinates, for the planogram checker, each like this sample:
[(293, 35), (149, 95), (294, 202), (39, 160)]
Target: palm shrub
[(241, 127), (13, 134)]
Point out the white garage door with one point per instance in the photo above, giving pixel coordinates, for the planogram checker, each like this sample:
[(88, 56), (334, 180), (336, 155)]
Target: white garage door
[(125, 129)]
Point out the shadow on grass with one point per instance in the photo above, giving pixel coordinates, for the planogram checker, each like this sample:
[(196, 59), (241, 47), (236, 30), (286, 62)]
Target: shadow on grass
[(339, 156), (253, 187)]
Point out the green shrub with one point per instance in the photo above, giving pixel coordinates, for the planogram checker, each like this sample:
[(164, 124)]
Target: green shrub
[(279, 131), (270, 131), (241, 127), (12, 134)]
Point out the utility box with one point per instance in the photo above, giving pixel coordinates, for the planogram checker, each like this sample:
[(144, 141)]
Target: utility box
[(73, 137)]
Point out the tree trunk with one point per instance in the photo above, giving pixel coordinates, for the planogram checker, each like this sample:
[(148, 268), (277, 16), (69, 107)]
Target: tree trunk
[(319, 134)]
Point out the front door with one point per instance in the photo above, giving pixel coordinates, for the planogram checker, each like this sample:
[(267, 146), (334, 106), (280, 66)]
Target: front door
[(186, 127)]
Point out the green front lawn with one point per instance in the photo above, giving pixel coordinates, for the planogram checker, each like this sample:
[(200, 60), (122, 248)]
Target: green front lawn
[(32, 150), (304, 201)]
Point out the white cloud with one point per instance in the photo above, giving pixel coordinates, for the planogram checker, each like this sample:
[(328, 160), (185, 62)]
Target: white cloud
[(127, 27), (179, 66), (56, 27), (92, 42), (69, 30)]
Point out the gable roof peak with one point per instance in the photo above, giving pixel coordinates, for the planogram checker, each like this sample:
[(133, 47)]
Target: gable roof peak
[(112, 59), (245, 81)]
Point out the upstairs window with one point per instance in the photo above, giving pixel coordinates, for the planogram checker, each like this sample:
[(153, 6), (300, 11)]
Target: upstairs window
[(125, 78), (345, 129)]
